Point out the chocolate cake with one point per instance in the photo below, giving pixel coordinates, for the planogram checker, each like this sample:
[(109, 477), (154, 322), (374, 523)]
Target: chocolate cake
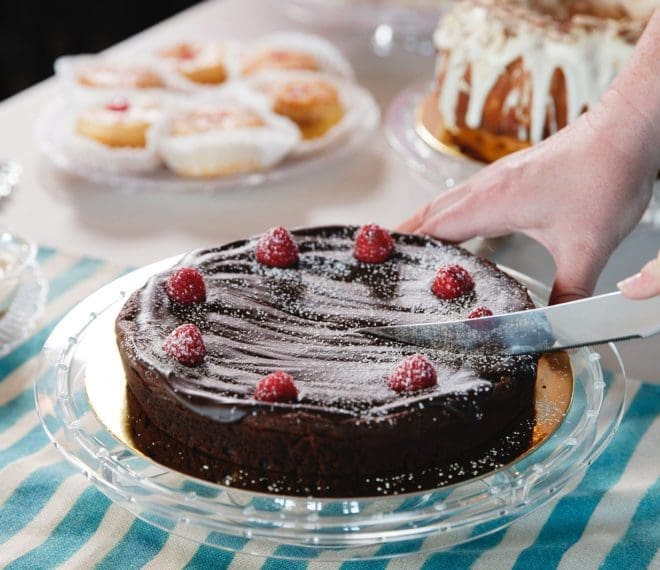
[(345, 431)]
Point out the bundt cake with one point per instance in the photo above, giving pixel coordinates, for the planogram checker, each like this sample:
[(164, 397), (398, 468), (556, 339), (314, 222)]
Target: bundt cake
[(511, 73)]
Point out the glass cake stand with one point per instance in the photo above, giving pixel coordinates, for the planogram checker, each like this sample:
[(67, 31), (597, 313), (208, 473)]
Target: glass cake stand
[(52, 126), (355, 528)]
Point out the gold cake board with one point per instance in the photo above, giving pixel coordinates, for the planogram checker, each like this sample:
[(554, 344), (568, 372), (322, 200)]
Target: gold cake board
[(478, 146), (429, 127)]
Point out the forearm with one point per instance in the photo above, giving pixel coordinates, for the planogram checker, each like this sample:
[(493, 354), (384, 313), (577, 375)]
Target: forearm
[(629, 112)]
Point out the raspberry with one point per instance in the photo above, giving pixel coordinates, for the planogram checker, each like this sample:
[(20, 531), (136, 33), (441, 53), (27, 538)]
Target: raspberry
[(373, 244), (452, 282), (480, 312), (276, 248), (186, 285), (413, 373), (186, 51), (481, 325), (276, 387), (118, 105), (186, 344)]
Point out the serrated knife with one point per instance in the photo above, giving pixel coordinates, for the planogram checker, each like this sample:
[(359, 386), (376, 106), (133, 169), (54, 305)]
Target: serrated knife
[(596, 320)]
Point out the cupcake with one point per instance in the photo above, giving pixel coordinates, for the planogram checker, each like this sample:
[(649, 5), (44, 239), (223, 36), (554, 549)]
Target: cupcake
[(312, 103), (118, 135), (120, 122), (230, 133), (294, 51), (207, 63), (324, 107)]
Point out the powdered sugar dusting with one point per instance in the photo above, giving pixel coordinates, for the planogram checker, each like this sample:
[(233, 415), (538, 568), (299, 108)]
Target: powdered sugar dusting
[(259, 319)]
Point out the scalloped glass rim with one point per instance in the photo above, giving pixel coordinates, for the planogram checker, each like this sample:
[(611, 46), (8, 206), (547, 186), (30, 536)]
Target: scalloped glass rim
[(444, 517), (49, 138)]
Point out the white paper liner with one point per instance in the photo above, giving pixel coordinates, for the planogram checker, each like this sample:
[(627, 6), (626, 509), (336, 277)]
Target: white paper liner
[(329, 57), (225, 152), (354, 99), (90, 153)]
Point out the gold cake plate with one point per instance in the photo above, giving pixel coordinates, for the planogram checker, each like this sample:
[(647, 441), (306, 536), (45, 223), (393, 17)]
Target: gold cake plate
[(430, 128), (106, 387)]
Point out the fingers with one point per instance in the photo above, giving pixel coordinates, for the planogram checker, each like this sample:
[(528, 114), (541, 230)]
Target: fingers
[(644, 284), (466, 219), (482, 210), (462, 213), (412, 224), (445, 200), (480, 206)]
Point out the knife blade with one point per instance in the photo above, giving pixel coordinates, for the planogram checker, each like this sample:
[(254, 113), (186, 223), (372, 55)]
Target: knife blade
[(596, 320)]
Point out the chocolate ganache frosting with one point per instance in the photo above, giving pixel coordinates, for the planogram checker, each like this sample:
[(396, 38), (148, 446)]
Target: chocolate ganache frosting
[(347, 426)]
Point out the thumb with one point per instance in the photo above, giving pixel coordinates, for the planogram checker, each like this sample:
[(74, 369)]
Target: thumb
[(577, 273), (644, 284)]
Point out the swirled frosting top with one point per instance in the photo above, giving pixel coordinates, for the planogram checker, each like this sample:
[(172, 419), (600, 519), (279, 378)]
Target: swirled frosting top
[(258, 319)]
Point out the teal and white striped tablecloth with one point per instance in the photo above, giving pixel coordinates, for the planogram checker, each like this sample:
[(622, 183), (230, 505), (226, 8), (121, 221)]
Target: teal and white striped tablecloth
[(50, 516)]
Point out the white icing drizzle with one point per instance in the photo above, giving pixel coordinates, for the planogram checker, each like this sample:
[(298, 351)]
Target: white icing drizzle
[(512, 100), (486, 36)]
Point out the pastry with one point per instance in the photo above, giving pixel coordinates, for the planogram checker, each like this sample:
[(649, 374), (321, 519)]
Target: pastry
[(511, 73), (229, 134), (324, 107), (115, 135), (294, 51), (205, 63), (120, 122)]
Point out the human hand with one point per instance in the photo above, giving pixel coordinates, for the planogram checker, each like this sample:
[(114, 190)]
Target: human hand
[(644, 284), (578, 193)]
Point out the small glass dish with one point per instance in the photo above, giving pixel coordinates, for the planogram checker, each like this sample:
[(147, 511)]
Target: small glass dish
[(22, 290), (16, 256), (51, 127), (339, 529), (10, 174)]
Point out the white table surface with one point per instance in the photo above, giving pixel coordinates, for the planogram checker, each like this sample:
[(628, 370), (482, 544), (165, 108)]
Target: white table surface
[(58, 210)]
